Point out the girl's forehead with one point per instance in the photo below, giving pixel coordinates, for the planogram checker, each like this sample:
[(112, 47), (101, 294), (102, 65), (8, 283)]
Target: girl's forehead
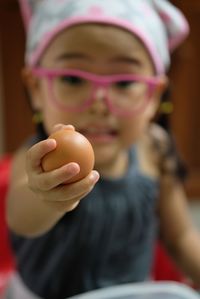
[(97, 38), (98, 48)]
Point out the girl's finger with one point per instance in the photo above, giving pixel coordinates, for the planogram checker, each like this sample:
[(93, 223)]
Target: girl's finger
[(54, 178), (37, 152), (66, 205), (74, 190), (58, 127), (63, 206)]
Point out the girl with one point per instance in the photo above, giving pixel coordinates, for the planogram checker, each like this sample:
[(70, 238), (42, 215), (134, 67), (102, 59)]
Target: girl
[(98, 66)]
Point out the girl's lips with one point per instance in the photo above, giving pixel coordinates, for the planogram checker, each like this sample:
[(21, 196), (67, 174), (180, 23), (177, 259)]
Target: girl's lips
[(99, 135)]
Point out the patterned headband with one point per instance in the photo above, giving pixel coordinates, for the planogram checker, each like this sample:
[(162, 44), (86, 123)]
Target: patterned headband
[(157, 23)]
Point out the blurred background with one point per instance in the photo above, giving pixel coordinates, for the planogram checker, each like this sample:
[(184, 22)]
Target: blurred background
[(15, 114)]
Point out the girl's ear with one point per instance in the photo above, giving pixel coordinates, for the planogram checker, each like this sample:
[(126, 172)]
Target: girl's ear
[(32, 85), (157, 95), (162, 86)]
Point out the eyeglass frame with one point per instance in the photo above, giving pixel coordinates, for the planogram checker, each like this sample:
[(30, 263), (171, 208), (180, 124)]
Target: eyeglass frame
[(98, 81)]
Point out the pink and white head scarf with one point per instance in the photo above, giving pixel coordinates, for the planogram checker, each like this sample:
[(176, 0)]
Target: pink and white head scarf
[(158, 24)]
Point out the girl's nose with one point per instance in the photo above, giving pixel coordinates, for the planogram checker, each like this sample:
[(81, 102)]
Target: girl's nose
[(99, 104)]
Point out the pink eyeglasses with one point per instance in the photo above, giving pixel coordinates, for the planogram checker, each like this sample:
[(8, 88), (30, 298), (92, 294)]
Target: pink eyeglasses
[(75, 90)]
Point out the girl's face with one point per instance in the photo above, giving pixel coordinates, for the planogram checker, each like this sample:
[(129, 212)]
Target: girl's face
[(101, 50)]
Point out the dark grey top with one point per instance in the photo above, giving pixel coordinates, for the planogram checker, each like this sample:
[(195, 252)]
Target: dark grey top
[(107, 240)]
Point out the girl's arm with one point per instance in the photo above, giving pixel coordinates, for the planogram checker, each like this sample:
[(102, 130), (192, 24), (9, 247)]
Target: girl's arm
[(37, 200), (177, 229)]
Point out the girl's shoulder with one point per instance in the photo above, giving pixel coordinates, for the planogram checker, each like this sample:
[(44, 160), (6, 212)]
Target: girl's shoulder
[(156, 156), (161, 146), (159, 139)]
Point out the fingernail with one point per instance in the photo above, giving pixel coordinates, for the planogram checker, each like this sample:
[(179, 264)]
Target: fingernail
[(95, 176), (70, 127), (73, 168), (57, 126), (51, 142)]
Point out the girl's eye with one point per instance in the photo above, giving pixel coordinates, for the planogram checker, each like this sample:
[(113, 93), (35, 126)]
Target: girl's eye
[(73, 80), (125, 84)]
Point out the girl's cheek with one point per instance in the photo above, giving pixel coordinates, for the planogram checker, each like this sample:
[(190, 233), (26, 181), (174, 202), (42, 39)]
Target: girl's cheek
[(132, 131), (55, 116)]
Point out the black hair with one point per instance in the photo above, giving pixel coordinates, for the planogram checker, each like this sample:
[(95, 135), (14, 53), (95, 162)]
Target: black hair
[(163, 120), (41, 131), (39, 127)]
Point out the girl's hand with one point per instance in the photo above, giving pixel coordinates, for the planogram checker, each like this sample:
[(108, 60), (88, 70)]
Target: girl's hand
[(49, 186)]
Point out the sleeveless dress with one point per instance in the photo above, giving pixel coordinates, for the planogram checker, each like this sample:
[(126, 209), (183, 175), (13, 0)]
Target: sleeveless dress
[(107, 240)]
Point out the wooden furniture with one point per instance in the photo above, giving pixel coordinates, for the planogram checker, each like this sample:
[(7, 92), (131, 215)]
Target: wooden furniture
[(17, 114), (184, 75)]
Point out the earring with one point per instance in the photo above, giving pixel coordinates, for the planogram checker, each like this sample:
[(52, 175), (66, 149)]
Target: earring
[(37, 117), (166, 107)]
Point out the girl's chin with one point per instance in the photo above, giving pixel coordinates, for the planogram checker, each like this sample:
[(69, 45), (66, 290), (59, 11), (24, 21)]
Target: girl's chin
[(110, 161), (104, 156)]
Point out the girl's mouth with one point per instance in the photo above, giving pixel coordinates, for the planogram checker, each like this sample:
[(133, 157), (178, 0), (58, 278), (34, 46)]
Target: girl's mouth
[(100, 135)]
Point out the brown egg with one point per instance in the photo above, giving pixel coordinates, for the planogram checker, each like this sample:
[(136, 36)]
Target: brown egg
[(71, 147)]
